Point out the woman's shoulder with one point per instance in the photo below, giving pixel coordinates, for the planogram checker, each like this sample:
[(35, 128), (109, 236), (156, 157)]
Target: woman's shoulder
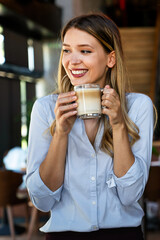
[(44, 106), (48, 99), (137, 96), (46, 102), (138, 99)]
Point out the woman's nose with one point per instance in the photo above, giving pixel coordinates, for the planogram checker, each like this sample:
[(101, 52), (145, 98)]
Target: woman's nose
[(75, 59)]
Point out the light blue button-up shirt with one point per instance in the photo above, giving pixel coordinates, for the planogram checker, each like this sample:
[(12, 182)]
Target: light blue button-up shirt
[(91, 197)]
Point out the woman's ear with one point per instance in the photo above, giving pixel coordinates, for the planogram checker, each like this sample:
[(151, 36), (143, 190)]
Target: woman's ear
[(111, 59)]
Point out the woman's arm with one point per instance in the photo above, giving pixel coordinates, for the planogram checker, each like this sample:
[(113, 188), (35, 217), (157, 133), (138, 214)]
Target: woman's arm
[(123, 156), (131, 164), (47, 154), (52, 168)]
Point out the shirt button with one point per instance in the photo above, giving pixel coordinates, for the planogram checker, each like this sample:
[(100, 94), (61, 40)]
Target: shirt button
[(93, 155), (93, 202), (93, 178), (94, 227)]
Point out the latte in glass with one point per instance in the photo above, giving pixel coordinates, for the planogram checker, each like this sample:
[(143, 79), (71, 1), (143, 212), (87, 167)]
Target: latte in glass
[(89, 100)]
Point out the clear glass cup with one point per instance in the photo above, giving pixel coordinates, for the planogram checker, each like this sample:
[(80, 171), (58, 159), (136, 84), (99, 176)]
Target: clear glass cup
[(89, 101)]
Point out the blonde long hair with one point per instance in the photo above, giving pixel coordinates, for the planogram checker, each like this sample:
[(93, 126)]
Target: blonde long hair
[(106, 32)]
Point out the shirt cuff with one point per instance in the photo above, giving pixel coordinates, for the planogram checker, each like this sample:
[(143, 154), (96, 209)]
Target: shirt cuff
[(39, 189), (134, 173)]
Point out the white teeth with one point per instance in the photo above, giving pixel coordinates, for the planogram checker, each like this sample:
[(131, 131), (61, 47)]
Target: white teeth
[(78, 71)]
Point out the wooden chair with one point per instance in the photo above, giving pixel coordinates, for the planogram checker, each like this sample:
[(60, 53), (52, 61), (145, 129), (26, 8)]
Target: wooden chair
[(33, 221), (9, 183)]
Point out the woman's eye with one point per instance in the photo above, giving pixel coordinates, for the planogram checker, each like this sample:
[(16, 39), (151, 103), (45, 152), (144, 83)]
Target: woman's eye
[(65, 50), (86, 51)]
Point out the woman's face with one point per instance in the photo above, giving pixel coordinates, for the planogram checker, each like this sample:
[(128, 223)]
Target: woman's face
[(84, 59)]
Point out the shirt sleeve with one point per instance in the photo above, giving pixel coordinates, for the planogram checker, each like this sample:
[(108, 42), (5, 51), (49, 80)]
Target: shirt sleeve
[(39, 142), (131, 186)]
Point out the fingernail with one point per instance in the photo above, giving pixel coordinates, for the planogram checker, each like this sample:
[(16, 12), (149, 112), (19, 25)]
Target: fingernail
[(75, 105), (74, 112)]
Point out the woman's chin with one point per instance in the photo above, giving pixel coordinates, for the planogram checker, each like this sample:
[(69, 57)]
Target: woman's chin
[(78, 82)]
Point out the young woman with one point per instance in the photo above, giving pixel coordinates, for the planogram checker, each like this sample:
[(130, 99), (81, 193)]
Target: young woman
[(91, 173)]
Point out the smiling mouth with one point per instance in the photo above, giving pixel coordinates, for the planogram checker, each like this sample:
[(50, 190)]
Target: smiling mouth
[(78, 73)]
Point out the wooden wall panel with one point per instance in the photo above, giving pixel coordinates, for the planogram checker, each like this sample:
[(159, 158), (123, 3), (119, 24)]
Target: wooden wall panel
[(138, 45)]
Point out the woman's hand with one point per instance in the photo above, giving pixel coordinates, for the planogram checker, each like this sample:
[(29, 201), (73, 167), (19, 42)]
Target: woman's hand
[(65, 112), (112, 106)]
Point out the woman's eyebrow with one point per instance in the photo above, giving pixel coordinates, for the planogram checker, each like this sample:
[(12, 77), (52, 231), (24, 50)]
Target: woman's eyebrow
[(65, 44), (85, 45), (79, 45)]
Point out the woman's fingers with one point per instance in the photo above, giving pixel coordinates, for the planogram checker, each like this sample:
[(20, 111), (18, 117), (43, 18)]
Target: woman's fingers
[(65, 98), (110, 92), (111, 105), (65, 102), (65, 111), (110, 100), (68, 107), (68, 115)]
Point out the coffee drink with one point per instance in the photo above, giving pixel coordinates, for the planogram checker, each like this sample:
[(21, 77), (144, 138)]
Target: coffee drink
[(89, 100)]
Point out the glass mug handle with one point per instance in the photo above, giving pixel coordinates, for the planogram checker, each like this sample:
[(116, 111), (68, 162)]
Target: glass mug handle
[(101, 94), (101, 90)]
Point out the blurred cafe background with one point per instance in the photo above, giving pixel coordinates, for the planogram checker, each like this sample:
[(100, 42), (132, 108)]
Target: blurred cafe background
[(29, 53)]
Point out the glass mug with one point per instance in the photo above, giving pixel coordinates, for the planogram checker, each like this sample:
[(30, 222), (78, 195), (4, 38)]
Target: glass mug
[(89, 101)]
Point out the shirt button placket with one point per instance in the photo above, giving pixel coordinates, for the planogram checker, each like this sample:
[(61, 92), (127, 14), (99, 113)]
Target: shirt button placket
[(93, 191)]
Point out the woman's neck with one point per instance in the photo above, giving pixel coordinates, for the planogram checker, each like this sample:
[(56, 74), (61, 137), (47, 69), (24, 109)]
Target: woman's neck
[(91, 127)]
